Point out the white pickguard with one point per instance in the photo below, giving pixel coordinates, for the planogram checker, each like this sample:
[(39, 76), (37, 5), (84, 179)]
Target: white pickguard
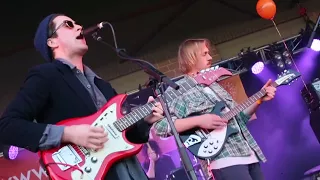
[(115, 143), (213, 144), (192, 140)]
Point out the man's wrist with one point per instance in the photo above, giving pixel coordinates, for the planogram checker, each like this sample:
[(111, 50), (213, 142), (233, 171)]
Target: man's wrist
[(66, 136), (259, 101)]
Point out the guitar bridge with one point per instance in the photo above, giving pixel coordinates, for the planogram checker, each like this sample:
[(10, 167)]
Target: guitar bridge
[(66, 155)]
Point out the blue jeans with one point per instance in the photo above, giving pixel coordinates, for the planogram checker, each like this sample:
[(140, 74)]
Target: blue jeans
[(239, 172)]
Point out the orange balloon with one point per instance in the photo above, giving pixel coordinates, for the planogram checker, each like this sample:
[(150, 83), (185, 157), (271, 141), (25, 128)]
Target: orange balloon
[(266, 9)]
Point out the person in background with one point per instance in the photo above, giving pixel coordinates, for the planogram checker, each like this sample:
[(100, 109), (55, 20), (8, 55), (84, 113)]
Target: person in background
[(156, 164)]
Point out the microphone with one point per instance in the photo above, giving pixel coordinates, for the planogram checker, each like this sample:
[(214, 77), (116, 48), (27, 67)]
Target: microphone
[(94, 28)]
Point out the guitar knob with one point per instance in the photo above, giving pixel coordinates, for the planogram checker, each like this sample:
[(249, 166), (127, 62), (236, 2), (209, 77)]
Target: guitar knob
[(87, 169), (211, 143), (210, 151), (205, 146), (94, 159)]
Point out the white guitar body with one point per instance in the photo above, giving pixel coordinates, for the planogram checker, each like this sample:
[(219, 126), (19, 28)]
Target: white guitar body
[(213, 144)]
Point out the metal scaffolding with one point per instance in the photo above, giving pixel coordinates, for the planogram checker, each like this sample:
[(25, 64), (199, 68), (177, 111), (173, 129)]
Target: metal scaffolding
[(237, 64)]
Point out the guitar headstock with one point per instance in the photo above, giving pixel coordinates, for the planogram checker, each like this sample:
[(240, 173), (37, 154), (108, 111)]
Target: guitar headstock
[(286, 77), (210, 75)]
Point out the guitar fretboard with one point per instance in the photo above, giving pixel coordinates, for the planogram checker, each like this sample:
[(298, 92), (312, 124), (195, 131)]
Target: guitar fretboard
[(251, 100), (144, 110)]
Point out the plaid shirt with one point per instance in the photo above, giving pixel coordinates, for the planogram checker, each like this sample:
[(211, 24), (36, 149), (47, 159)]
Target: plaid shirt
[(199, 100)]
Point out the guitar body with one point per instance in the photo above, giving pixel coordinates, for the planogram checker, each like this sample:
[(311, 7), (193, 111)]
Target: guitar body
[(94, 164), (207, 145)]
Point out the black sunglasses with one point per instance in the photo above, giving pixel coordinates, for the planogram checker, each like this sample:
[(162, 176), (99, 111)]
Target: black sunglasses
[(67, 23)]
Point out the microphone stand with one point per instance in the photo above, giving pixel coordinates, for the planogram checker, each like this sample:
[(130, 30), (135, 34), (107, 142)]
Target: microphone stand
[(160, 79)]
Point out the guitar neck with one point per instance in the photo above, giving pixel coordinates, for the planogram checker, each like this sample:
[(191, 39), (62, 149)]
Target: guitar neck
[(141, 112), (251, 100)]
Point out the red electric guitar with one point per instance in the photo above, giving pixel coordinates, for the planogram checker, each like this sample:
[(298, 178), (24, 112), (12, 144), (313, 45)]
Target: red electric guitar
[(70, 161)]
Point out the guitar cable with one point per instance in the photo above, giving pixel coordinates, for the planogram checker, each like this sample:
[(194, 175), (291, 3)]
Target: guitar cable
[(76, 167), (209, 169)]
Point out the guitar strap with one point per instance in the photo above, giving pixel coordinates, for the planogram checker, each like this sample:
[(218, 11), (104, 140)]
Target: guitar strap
[(211, 91)]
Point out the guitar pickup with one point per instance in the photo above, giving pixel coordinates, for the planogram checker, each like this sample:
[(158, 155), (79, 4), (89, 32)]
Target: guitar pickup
[(111, 131)]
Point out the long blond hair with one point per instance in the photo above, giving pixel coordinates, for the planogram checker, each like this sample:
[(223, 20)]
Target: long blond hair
[(187, 53)]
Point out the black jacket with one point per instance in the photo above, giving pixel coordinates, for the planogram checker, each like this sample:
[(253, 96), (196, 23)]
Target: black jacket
[(51, 93)]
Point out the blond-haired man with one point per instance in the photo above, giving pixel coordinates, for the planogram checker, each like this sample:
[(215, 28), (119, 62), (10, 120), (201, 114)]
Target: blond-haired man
[(240, 156)]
